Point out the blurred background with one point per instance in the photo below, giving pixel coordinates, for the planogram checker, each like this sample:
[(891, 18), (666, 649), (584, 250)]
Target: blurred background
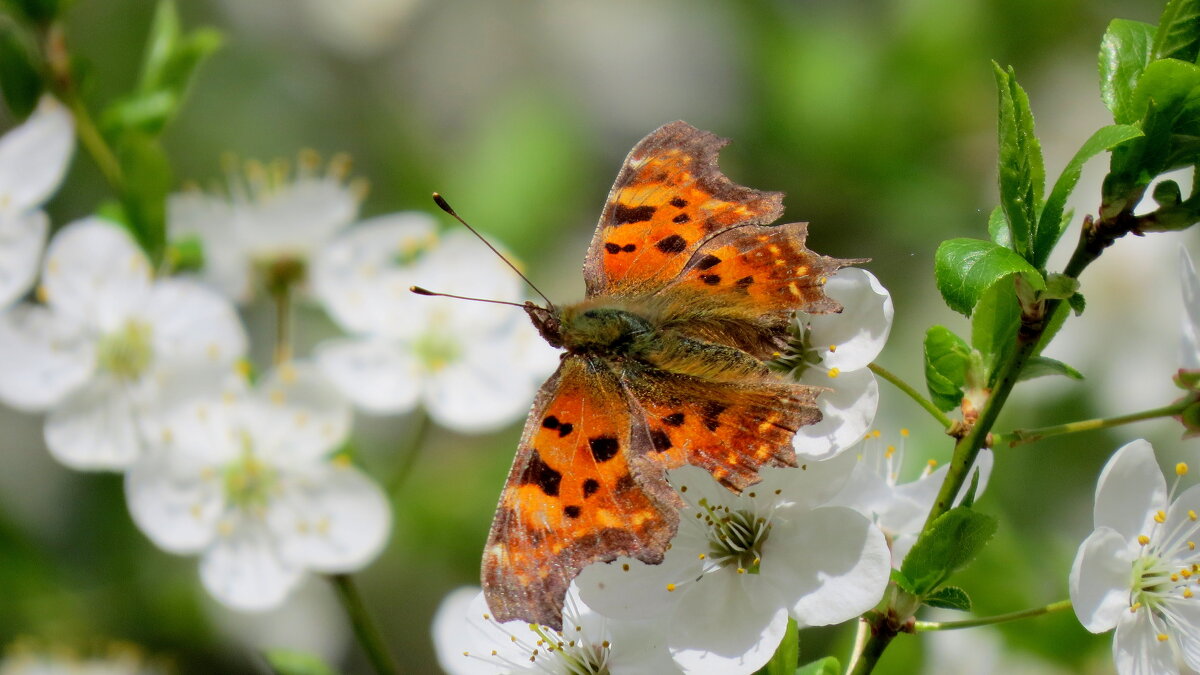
[(876, 118)]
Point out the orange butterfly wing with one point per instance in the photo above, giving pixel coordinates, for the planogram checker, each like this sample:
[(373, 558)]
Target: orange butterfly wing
[(580, 490), (668, 199)]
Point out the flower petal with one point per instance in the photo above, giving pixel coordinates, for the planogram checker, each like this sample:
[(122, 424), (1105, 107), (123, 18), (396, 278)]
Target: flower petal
[(1189, 347), (175, 499), (34, 156), (1130, 490), (193, 323), (330, 518), (1137, 649), (299, 217), (831, 563), (295, 415), (363, 276), (847, 412), (1100, 579), (630, 589), (95, 427), (243, 569), (42, 358), (462, 265), (22, 237), (464, 640), (719, 628), (95, 274), (212, 221), (858, 333), (377, 375)]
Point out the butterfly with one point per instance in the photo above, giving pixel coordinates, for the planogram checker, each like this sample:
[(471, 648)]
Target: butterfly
[(690, 291)]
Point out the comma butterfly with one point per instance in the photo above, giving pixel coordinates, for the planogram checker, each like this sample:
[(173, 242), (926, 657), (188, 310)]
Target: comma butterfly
[(689, 291)]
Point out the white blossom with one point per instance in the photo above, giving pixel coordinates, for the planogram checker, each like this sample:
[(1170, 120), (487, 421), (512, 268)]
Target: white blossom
[(268, 224), (835, 352), (742, 564), (1189, 343), (1135, 571), (33, 160), (473, 366), (92, 355), (248, 479), (470, 641)]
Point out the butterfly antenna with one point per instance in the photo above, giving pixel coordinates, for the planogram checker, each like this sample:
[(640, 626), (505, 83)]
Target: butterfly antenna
[(424, 291), (445, 206)]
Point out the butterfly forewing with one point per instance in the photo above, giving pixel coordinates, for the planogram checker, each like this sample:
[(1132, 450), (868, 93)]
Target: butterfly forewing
[(580, 491), (667, 200)]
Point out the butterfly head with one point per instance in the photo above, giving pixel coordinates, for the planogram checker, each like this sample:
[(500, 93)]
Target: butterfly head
[(548, 322)]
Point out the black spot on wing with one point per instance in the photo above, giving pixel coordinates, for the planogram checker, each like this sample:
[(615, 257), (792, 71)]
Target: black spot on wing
[(681, 218), (612, 248), (674, 419), (572, 511), (711, 279), (679, 202), (707, 262), (623, 215), (660, 440), (604, 448), (589, 487), (542, 475), (671, 244)]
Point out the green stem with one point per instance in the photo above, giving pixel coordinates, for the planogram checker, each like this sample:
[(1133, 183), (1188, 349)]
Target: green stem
[(912, 393), (871, 651), (1022, 436), (364, 628), (412, 448), (281, 294), (921, 626)]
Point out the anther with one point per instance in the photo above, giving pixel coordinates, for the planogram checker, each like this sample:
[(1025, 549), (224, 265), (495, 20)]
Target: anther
[(1181, 468), (834, 372), (1143, 539), (1160, 517)]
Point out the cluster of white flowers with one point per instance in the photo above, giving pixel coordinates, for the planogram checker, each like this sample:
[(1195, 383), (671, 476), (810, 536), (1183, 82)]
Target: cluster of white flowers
[(144, 373)]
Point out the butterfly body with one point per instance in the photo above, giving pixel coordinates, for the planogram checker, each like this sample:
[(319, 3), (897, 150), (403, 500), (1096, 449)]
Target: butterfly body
[(689, 293)]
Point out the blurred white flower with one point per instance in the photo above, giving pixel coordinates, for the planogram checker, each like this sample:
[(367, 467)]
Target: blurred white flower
[(741, 564), (246, 478), (899, 509), (118, 659), (268, 224), (33, 159), (836, 350), (1189, 343), (470, 641), (1134, 572), (473, 366), (93, 354)]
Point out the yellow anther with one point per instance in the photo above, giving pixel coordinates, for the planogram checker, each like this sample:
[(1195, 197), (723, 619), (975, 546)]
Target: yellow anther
[(1135, 607), (702, 556), (341, 460), (876, 433), (670, 587), (1160, 516), (832, 348), (1186, 573), (1143, 539), (1181, 468), (741, 570), (242, 367), (932, 463), (904, 433), (1162, 637), (1187, 592), (43, 296), (891, 450), (834, 372), (1191, 514), (1191, 546)]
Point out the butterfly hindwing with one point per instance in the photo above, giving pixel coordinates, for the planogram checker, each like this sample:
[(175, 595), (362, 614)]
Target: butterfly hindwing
[(668, 199), (579, 491)]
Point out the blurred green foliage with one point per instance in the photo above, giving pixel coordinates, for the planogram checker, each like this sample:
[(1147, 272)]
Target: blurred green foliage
[(877, 118)]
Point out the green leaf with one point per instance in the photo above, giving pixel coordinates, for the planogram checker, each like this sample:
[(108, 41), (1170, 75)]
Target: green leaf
[(949, 597), (968, 499), (825, 666), (952, 541), (1022, 174), (19, 78), (1040, 366), (947, 358), (998, 228), (966, 268), (787, 655), (148, 179), (902, 581), (1051, 224), (994, 324), (147, 113), (1077, 303), (1178, 33), (39, 11), (289, 662), (1124, 54)]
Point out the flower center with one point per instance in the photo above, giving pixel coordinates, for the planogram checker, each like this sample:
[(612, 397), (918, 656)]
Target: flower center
[(127, 351), (800, 354), (735, 537), (436, 350), (249, 483)]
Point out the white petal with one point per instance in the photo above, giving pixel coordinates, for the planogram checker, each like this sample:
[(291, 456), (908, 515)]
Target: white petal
[(295, 415), (95, 427), (213, 221), (639, 648), (43, 358), (243, 569), (363, 276), (196, 411), (1100, 579), (859, 332), (1130, 490), (22, 237), (1185, 630), (95, 273), (193, 323), (34, 156), (377, 375), (719, 628), (832, 562), (300, 217), (810, 485), (460, 264), (629, 589), (175, 500), (1137, 651), (1190, 339), (488, 386), (464, 640), (847, 410), (330, 518)]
